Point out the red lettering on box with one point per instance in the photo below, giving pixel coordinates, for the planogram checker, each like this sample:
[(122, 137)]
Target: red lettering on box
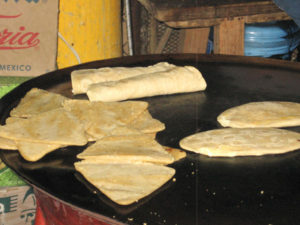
[(18, 40), (10, 16)]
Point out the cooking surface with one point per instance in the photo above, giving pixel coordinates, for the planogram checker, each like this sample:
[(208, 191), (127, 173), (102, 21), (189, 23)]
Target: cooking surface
[(242, 190)]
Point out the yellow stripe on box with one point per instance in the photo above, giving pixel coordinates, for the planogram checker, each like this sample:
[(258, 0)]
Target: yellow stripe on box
[(92, 28)]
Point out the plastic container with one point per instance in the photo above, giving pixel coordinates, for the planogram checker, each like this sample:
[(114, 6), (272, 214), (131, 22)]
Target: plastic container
[(271, 39)]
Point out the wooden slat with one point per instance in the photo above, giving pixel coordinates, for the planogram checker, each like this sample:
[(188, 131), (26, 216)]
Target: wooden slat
[(266, 17), (194, 40), (178, 10), (153, 35), (229, 37), (136, 23), (212, 22), (163, 40)]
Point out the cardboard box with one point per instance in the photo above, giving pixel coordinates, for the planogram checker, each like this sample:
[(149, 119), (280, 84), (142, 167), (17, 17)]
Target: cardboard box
[(28, 37), (17, 199), (17, 206)]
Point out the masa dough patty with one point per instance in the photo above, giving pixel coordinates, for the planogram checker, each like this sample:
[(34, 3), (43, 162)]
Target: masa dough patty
[(262, 114), (230, 142)]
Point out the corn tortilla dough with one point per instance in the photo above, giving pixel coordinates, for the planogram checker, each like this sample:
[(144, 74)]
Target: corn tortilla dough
[(126, 149), (37, 101), (262, 114), (230, 142), (125, 183), (82, 79), (177, 80)]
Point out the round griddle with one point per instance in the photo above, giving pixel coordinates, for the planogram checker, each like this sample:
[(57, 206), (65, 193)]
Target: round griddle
[(241, 190)]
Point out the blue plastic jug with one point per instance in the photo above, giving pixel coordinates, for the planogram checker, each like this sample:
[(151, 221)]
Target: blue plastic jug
[(270, 39)]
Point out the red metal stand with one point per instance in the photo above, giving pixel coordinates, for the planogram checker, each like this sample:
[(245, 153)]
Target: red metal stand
[(52, 211)]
